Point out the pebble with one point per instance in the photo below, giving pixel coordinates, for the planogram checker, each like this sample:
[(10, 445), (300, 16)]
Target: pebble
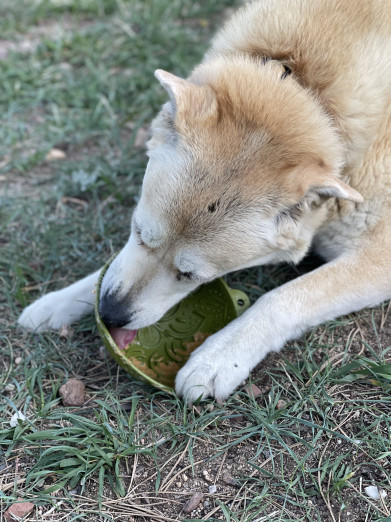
[(72, 393), (18, 360), (237, 418), (206, 476), (253, 390), (210, 407), (76, 491), (65, 331), (374, 492), (185, 478), (227, 479), (212, 489), (55, 154), (280, 404), (20, 510), (178, 484), (193, 502)]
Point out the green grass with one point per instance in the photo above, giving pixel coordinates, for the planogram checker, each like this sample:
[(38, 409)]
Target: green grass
[(305, 449)]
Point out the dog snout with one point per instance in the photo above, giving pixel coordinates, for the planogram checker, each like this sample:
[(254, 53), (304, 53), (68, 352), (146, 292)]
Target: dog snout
[(114, 311)]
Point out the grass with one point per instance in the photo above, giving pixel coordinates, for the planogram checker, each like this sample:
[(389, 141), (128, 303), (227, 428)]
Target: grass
[(305, 449)]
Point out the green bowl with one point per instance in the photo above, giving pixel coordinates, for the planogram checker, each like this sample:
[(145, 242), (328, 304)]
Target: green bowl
[(158, 351)]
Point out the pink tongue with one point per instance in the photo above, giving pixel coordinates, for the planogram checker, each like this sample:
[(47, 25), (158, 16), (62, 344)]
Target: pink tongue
[(122, 337)]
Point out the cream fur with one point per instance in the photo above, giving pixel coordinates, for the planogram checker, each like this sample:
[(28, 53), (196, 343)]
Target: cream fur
[(248, 168)]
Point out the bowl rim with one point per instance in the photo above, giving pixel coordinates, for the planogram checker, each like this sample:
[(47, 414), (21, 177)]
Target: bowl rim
[(107, 338)]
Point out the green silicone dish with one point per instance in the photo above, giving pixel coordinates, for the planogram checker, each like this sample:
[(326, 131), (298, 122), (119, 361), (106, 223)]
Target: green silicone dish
[(160, 350)]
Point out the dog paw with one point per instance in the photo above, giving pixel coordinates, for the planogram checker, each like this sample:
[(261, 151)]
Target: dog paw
[(208, 374), (49, 312)]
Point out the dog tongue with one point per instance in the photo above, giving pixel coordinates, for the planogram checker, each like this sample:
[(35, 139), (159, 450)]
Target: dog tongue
[(122, 337)]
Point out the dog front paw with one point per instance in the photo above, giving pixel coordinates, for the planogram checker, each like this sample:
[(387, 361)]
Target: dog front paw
[(44, 314), (51, 311), (211, 371)]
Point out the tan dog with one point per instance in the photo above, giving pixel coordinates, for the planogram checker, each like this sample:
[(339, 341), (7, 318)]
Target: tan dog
[(279, 140)]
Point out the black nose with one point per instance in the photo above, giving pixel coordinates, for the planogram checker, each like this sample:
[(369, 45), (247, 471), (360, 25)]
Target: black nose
[(114, 311)]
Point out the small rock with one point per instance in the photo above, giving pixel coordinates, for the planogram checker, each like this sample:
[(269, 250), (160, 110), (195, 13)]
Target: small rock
[(193, 502), (76, 491), (210, 407), (374, 492), (18, 360), (16, 417), (206, 476), (9, 387), (227, 479), (281, 404), (185, 478), (237, 418), (253, 390), (212, 489), (65, 331), (72, 393), (55, 154), (178, 484), (20, 510), (102, 353)]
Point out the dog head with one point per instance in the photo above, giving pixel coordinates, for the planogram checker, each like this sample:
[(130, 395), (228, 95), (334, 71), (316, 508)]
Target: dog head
[(240, 162)]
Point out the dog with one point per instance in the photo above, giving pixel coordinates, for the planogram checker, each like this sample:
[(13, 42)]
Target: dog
[(279, 141)]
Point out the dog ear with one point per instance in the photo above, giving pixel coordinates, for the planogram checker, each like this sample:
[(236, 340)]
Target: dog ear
[(318, 180), (174, 85), (188, 97)]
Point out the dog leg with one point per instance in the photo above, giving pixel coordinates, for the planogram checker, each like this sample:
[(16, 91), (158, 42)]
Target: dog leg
[(224, 360), (62, 307)]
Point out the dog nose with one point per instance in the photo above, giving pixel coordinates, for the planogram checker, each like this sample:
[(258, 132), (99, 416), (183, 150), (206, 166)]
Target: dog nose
[(114, 311)]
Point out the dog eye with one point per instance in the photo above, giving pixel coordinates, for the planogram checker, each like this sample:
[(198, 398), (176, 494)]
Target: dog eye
[(184, 275)]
